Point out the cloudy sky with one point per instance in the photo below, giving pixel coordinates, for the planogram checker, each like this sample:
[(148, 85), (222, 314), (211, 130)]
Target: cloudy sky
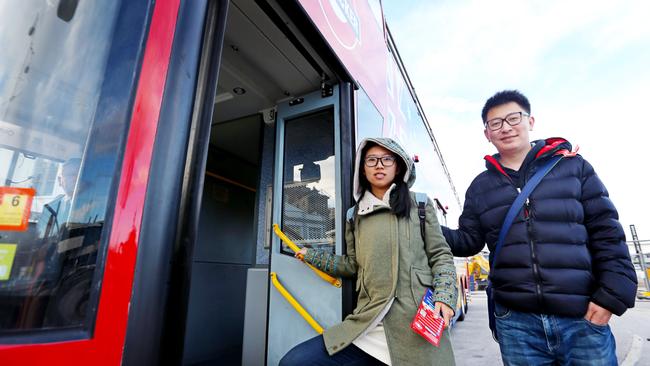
[(584, 65)]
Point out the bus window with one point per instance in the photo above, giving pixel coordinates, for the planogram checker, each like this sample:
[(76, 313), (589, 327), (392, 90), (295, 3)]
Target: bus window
[(309, 182), (369, 120), (56, 161)]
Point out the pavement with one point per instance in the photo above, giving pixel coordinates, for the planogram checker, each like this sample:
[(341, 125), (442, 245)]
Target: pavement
[(473, 343), (632, 333), (472, 339)]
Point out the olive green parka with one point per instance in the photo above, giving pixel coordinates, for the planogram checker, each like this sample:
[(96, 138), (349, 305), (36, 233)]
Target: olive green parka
[(392, 263)]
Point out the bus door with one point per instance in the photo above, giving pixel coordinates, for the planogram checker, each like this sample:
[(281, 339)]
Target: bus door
[(306, 207)]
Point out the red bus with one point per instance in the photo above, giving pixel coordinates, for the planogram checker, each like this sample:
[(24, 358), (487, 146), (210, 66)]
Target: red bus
[(148, 147)]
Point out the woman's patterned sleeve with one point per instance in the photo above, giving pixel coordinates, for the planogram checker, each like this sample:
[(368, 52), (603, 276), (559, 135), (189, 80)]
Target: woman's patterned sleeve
[(441, 261), (335, 265)]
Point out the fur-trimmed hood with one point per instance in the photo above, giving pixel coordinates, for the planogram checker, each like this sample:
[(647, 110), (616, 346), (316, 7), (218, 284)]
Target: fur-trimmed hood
[(389, 144)]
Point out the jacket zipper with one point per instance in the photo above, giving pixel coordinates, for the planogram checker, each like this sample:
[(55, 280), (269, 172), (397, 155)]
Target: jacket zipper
[(529, 230), (533, 256)]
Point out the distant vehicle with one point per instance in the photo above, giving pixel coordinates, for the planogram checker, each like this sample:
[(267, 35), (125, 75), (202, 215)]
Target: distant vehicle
[(464, 292), (479, 270)]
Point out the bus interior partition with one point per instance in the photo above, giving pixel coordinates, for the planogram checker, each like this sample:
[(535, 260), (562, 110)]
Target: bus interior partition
[(260, 67)]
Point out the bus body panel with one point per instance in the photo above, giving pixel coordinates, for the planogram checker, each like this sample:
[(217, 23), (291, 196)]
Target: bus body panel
[(355, 31)]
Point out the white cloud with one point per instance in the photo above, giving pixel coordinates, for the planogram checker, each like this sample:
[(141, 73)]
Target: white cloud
[(581, 63)]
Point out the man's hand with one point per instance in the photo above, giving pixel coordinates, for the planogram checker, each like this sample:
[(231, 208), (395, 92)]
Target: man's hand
[(446, 311), (597, 314)]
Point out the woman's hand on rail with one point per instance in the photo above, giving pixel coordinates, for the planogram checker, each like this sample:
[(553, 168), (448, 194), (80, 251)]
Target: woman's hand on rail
[(301, 253)]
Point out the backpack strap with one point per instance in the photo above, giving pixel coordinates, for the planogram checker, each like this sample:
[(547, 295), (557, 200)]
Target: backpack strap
[(421, 199), (349, 215)]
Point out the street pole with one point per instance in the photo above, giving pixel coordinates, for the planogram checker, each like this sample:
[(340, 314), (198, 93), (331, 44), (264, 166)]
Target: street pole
[(639, 252)]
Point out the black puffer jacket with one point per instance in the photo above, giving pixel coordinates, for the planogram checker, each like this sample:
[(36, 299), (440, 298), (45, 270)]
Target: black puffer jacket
[(564, 249)]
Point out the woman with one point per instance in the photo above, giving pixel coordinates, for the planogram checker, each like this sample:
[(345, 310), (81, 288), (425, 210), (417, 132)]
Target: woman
[(394, 264)]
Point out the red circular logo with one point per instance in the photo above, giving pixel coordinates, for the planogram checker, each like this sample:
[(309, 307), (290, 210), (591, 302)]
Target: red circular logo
[(343, 20)]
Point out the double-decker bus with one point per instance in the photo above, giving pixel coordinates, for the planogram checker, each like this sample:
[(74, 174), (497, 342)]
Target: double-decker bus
[(148, 147)]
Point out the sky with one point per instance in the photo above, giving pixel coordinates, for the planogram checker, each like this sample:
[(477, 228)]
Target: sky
[(584, 66)]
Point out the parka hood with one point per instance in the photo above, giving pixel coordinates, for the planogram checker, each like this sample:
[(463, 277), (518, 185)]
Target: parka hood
[(388, 144)]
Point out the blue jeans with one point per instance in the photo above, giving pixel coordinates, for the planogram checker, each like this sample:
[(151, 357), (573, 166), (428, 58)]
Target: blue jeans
[(313, 352), (538, 339)]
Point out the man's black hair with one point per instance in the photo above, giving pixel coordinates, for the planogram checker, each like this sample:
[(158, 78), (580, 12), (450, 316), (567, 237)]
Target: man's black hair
[(503, 97), (400, 197)]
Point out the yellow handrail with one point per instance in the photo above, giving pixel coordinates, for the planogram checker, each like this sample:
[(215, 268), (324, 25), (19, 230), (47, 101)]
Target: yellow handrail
[(287, 296), (334, 281)]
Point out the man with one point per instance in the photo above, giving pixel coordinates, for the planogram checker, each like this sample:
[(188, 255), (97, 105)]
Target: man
[(51, 226), (564, 267), (55, 213)]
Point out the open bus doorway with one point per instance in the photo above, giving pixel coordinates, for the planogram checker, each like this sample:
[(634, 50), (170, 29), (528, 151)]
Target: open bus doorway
[(225, 247), (262, 74)]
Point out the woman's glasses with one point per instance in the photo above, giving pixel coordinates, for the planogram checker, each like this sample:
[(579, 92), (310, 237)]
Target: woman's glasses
[(386, 160)]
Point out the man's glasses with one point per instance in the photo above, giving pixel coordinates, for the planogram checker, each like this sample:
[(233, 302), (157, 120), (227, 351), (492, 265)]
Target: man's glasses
[(512, 119), (386, 160)]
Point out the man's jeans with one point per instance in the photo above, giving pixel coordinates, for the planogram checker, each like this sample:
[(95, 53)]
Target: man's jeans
[(537, 339)]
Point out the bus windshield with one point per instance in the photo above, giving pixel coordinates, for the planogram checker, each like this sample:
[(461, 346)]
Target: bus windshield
[(56, 163)]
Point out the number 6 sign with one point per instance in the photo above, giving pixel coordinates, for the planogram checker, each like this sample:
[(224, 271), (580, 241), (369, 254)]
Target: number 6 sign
[(15, 206)]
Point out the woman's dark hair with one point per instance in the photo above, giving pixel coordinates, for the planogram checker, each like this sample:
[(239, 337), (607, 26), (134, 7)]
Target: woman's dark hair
[(400, 197)]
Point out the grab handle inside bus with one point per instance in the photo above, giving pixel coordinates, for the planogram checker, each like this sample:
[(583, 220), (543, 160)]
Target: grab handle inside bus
[(334, 281), (295, 304)]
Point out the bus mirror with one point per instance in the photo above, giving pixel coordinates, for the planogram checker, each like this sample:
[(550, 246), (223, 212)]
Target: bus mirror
[(66, 9)]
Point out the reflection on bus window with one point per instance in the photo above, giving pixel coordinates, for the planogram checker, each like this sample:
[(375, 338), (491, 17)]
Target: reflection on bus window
[(309, 182), (369, 120), (55, 157)]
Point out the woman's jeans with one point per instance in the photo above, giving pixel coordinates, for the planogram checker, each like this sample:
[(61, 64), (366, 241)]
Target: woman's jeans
[(313, 352), (538, 339)]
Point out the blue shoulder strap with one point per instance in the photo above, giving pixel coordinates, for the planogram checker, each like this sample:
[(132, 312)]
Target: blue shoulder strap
[(519, 202)]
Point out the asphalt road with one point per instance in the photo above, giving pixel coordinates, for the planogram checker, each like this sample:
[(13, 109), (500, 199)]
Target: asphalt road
[(473, 343), (471, 338)]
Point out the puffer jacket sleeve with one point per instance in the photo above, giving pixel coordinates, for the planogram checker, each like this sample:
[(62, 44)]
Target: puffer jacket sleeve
[(441, 260), (336, 265), (611, 262), (468, 239)]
